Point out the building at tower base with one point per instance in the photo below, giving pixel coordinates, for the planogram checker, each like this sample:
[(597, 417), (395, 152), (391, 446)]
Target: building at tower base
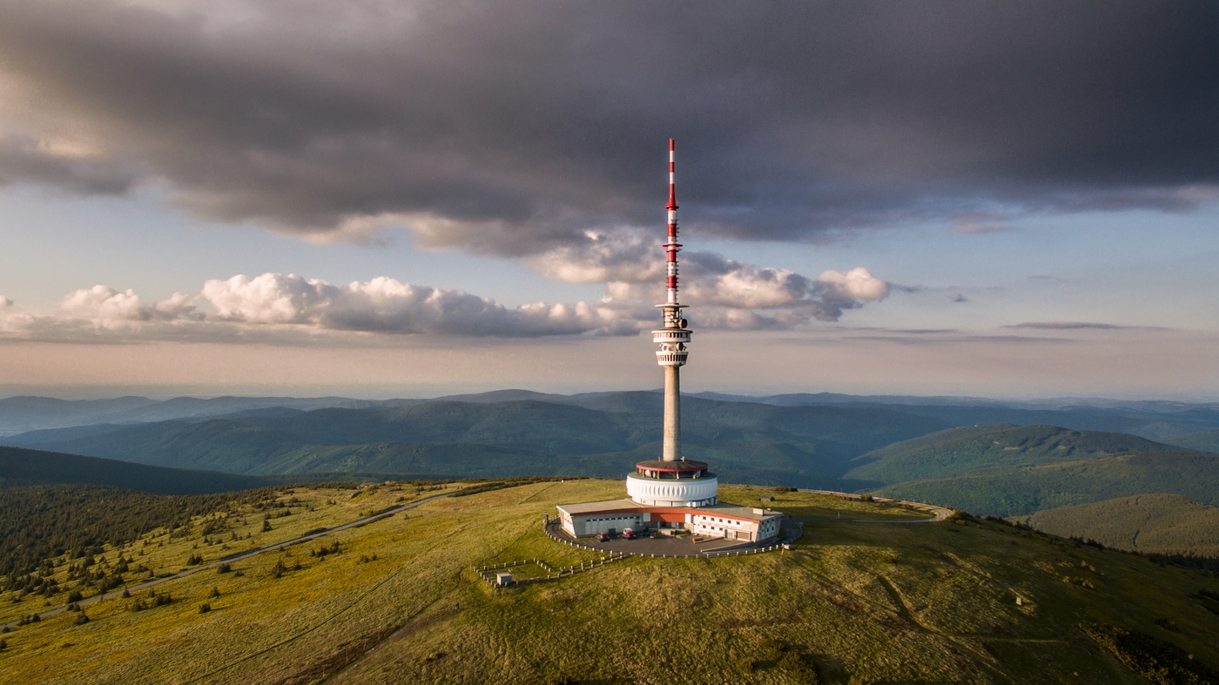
[(747, 524)]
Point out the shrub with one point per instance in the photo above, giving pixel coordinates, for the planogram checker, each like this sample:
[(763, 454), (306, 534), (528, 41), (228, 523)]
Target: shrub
[(215, 592), (772, 650), (1168, 624), (81, 619), (3, 645), (224, 568), (74, 596), (801, 666), (266, 526), (194, 560), (278, 569), (204, 608)]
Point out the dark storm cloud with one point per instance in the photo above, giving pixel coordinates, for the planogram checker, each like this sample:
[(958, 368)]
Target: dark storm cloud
[(517, 127)]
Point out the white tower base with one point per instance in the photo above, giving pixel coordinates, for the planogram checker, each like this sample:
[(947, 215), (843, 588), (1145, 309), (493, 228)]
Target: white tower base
[(686, 492)]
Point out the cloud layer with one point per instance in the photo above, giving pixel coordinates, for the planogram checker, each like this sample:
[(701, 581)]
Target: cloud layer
[(726, 294), (520, 128)]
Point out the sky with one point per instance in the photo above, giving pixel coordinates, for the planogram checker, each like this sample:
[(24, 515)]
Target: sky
[(409, 199)]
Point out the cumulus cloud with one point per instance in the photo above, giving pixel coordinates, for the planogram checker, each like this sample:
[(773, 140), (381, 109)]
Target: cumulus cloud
[(729, 295), (106, 307), (335, 120), (386, 305)]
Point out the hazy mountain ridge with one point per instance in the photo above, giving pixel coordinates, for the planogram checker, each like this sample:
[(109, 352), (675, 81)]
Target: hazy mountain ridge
[(1151, 419), (1021, 491), (23, 414), (600, 435), (962, 450), (1203, 441), (22, 467)]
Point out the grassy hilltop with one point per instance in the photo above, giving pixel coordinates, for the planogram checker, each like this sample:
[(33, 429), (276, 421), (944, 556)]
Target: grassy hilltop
[(851, 603)]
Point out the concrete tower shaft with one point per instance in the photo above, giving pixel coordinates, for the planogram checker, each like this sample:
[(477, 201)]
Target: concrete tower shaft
[(674, 337)]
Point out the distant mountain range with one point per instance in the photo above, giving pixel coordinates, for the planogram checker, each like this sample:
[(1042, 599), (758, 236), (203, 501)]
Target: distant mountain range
[(498, 436), (981, 456), (1150, 419)]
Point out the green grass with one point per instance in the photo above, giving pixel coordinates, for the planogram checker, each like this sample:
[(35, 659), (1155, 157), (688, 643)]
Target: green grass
[(933, 602), (804, 505), (163, 552)]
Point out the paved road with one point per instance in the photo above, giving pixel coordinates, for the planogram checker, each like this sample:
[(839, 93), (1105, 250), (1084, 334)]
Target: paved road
[(243, 555), (941, 513)]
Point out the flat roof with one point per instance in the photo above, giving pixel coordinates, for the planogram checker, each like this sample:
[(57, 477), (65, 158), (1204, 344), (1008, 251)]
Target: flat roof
[(605, 506), (621, 506), (678, 465)]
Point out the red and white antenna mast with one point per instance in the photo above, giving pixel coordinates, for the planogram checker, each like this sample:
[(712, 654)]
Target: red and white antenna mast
[(672, 247)]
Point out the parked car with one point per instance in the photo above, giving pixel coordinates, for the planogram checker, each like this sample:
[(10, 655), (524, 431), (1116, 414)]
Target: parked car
[(603, 537), (629, 534)]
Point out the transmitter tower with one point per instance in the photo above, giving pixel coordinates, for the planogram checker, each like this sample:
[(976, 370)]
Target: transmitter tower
[(672, 480)]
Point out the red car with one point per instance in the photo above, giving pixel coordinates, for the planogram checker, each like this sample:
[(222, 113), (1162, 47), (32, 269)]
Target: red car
[(603, 537), (629, 534)]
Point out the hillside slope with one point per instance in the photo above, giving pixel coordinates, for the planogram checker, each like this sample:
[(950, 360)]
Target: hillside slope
[(22, 467), (1021, 491), (398, 601), (961, 450), (1161, 524), (1204, 441)]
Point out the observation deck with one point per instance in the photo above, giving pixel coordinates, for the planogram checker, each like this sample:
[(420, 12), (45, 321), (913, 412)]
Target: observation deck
[(678, 483)]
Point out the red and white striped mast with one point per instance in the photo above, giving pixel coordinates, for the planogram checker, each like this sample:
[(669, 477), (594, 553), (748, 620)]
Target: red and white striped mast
[(674, 336)]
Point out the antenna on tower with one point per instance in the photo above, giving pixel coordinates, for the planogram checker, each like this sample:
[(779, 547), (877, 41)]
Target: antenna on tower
[(672, 247)]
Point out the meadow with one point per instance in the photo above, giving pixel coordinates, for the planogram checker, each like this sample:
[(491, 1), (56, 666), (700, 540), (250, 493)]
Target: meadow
[(398, 600)]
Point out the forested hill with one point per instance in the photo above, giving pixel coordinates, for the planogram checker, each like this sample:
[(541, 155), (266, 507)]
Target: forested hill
[(1156, 523), (1018, 470), (958, 450), (599, 436), (22, 467)]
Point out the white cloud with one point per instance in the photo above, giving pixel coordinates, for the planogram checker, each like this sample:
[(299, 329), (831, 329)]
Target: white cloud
[(858, 284), (105, 307), (617, 257), (386, 305), (12, 320), (728, 294), (631, 268)]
